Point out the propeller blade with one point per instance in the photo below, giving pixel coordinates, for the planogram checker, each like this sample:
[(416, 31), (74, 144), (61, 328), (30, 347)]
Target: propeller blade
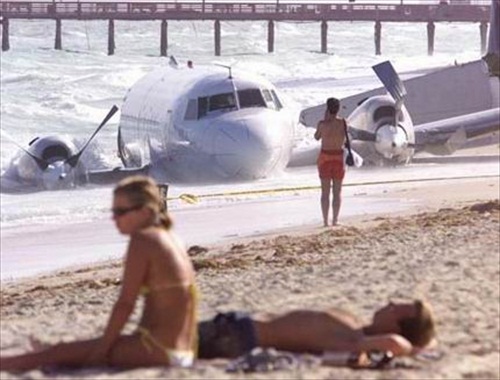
[(42, 164), (362, 135), (73, 160), (390, 78)]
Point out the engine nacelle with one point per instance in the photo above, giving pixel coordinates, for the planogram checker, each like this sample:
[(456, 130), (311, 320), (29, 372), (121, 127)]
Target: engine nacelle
[(54, 151), (391, 128)]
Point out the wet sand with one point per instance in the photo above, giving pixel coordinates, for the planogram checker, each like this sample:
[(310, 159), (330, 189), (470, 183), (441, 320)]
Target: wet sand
[(447, 252)]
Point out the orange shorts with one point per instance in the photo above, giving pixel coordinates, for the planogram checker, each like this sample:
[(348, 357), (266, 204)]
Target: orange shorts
[(331, 164)]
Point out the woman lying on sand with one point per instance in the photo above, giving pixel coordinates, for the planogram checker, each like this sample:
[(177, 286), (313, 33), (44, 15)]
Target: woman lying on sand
[(398, 328), (156, 266)]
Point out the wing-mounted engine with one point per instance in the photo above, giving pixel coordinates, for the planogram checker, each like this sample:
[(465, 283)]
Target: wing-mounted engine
[(387, 131), (44, 163), (53, 162), (384, 121)]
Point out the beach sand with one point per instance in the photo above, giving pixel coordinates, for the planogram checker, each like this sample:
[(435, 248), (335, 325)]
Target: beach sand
[(447, 252)]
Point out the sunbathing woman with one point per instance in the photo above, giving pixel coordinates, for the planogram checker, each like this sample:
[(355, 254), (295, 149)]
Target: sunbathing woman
[(156, 266)]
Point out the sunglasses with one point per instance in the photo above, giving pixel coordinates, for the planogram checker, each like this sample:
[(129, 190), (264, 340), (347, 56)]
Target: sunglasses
[(120, 211)]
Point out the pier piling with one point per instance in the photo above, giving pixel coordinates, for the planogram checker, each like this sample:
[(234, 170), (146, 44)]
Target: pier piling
[(5, 34), (324, 36), (111, 37), (217, 37), (270, 36), (58, 41), (430, 37), (378, 37), (163, 38), (483, 30)]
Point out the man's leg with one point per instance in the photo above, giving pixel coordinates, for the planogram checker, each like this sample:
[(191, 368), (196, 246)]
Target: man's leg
[(336, 192), (325, 199)]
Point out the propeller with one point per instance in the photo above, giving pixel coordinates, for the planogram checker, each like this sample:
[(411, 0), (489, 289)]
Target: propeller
[(361, 134), (73, 160), (392, 83), (42, 164)]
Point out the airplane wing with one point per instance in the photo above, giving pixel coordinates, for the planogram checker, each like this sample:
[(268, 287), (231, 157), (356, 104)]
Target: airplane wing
[(112, 176), (445, 136), (439, 94)]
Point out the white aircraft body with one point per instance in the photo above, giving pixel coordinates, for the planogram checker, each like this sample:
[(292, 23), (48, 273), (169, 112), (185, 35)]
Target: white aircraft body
[(439, 112), (208, 123), (205, 123)]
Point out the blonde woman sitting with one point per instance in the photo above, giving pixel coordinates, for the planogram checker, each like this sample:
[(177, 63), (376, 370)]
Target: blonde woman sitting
[(157, 267)]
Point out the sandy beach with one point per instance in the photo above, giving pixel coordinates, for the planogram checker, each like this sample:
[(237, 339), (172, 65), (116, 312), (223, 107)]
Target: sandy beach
[(447, 252)]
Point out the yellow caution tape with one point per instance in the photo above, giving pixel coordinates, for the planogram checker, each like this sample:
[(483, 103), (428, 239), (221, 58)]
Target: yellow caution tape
[(192, 198)]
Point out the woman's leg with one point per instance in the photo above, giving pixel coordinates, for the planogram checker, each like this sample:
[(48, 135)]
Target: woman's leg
[(325, 199), (127, 352), (337, 200), (71, 354)]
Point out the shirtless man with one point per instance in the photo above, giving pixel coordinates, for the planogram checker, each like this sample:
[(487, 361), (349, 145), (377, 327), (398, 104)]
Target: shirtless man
[(399, 328), (331, 159)]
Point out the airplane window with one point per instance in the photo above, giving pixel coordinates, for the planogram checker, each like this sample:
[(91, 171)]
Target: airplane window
[(251, 98), (202, 107), (221, 101), (191, 110), (269, 99), (267, 96), (383, 112), (276, 100)]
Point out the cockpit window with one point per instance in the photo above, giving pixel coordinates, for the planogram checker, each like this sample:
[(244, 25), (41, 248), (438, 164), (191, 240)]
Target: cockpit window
[(191, 110), (251, 98), (202, 107), (221, 101), (247, 98)]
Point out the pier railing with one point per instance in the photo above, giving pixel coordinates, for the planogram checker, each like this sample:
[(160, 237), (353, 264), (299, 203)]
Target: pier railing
[(429, 11), (438, 10)]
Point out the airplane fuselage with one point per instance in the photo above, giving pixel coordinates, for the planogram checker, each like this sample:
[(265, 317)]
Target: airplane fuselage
[(205, 123)]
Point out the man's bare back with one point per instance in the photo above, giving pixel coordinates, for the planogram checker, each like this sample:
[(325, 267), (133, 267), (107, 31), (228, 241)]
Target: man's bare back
[(307, 330), (331, 133)]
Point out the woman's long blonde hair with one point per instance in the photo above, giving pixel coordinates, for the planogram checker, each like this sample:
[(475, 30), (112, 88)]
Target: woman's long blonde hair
[(144, 191)]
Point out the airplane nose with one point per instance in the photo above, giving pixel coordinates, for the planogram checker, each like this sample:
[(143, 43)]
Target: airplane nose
[(247, 148)]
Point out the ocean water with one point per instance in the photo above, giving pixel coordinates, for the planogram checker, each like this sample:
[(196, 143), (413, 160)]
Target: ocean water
[(45, 92)]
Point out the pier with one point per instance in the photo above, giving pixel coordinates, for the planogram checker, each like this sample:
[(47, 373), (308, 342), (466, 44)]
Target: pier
[(323, 12)]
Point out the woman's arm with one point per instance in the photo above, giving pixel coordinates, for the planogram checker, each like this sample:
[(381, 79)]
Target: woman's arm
[(133, 277), (317, 134)]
